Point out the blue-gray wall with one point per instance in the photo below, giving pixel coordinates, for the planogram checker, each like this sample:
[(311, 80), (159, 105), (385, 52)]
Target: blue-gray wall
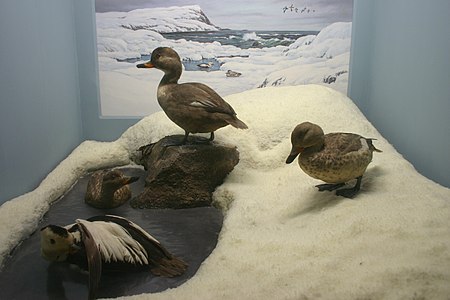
[(94, 127), (48, 89), (40, 120), (400, 77)]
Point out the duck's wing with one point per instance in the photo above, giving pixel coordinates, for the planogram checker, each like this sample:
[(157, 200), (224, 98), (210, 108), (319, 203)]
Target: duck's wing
[(115, 244), (344, 143), (94, 259), (94, 186), (162, 263), (199, 95)]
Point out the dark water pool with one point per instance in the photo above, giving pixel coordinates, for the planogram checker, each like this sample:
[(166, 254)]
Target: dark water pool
[(187, 233)]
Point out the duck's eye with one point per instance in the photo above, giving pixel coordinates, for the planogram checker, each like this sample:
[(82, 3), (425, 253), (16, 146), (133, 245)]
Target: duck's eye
[(52, 241)]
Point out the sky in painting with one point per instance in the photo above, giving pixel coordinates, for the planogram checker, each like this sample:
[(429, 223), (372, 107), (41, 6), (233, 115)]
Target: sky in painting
[(252, 15)]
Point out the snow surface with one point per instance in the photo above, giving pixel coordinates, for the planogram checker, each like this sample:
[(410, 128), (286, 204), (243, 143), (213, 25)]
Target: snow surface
[(162, 19), (281, 238), (127, 91)]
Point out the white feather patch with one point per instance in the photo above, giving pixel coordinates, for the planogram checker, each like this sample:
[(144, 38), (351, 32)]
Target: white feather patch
[(364, 144), (115, 243), (202, 104)]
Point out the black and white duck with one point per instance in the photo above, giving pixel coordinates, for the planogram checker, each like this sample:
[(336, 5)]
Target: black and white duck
[(335, 158), (108, 188), (109, 243), (195, 107)]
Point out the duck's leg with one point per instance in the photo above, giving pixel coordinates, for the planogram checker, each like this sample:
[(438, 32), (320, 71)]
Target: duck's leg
[(350, 192), (329, 186), (184, 141), (202, 140)]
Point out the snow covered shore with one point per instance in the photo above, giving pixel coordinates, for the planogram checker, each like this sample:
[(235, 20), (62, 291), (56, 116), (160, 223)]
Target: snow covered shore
[(281, 239), (126, 91)]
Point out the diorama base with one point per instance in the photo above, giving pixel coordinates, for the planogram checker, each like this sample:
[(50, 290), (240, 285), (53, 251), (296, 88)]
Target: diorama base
[(190, 234)]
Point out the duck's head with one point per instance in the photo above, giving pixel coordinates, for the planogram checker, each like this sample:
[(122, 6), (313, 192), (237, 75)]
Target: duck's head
[(165, 59), (57, 243), (115, 179), (305, 135)]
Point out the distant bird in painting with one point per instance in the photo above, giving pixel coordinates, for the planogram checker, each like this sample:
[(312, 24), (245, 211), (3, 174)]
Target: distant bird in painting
[(231, 73), (108, 243), (334, 157), (205, 65), (108, 189), (193, 106)]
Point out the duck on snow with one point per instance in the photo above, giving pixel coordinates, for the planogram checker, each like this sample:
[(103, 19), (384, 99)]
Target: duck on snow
[(334, 157)]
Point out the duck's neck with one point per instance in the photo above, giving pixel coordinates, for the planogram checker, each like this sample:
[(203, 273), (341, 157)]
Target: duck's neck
[(171, 76), (108, 191), (318, 146)]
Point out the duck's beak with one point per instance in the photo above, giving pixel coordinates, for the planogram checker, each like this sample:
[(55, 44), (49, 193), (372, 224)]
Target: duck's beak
[(294, 153), (145, 65), (129, 180)]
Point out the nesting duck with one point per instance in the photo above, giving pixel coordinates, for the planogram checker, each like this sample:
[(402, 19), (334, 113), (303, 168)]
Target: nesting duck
[(109, 243), (108, 189), (334, 157), (195, 107)]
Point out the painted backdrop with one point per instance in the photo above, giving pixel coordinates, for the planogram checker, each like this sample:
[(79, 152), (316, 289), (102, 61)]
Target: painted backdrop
[(231, 46)]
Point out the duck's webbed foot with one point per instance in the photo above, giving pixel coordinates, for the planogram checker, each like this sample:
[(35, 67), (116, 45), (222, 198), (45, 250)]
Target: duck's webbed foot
[(329, 186), (350, 192), (193, 139), (197, 139)]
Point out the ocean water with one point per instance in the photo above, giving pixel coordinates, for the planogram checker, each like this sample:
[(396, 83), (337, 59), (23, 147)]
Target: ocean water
[(243, 39)]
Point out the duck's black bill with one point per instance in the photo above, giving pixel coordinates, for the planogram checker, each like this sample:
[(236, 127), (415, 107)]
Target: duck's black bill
[(145, 65), (133, 179), (291, 158)]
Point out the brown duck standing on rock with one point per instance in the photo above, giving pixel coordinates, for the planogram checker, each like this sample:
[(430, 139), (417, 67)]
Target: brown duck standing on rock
[(334, 157), (108, 189), (193, 106)]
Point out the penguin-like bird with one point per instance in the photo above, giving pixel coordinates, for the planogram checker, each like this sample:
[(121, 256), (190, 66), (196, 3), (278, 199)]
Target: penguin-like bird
[(111, 243)]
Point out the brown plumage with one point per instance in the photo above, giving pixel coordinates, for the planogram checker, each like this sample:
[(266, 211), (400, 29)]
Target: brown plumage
[(334, 158), (194, 107), (108, 189)]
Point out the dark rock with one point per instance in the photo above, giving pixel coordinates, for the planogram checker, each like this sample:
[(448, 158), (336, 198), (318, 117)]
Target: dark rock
[(183, 176)]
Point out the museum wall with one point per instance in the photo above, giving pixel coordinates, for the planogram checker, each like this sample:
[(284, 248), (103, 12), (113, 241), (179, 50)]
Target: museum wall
[(94, 126), (40, 121), (400, 78)]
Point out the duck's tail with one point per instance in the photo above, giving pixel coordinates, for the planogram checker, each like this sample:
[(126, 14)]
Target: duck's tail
[(235, 122), (371, 146), (169, 267)]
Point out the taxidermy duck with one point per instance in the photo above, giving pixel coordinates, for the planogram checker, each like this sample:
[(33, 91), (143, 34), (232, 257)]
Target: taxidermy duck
[(193, 106), (108, 189), (334, 157), (109, 243)]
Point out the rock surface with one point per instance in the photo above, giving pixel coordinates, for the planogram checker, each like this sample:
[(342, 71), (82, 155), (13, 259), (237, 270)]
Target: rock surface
[(183, 176)]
